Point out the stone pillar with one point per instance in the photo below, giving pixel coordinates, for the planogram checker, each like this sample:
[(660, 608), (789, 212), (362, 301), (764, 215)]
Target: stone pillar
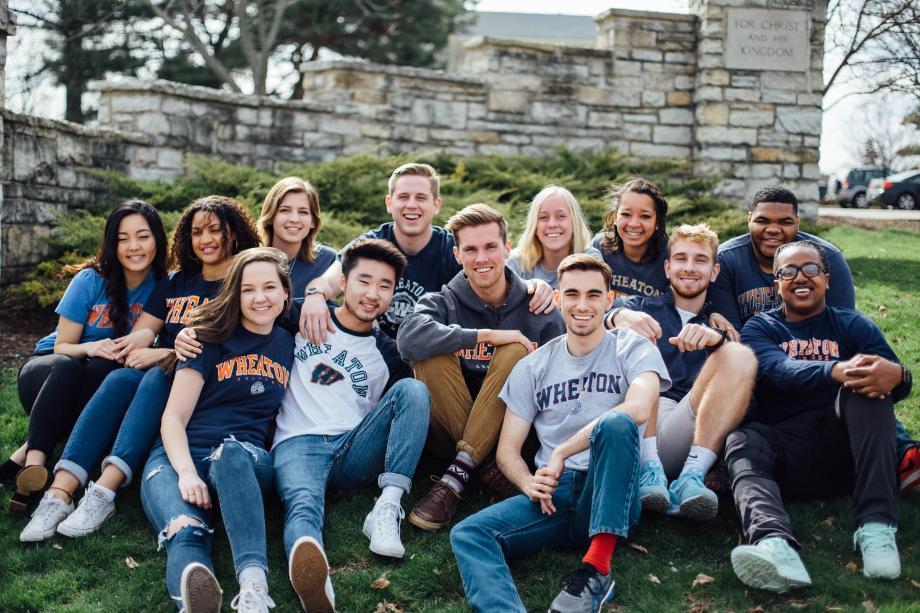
[(758, 96), (7, 28)]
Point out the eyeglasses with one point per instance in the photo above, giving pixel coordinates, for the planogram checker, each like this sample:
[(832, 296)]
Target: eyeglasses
[(789, 272)]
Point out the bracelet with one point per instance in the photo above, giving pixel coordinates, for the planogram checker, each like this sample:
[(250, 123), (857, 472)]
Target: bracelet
[(906, 377), (721, 342), (611, 319), (311, 291)]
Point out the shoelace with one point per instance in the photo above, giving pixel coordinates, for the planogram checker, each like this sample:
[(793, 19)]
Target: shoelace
[(388, 517), (580, 579), (45, 510), (442, 494), (252, 599), (91, 502), (875, 540), (647, 476)]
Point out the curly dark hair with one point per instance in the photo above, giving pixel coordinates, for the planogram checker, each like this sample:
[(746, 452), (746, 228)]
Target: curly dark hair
[(658, 244), (805, 244), (105, 261), (237, 227)]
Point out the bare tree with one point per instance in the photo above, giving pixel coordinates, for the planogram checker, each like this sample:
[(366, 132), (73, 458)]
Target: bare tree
[(257, 23), (874, 45), (881, 137)]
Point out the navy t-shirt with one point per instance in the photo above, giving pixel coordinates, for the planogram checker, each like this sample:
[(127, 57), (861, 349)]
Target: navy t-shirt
[(245, 379), (173, 300), (742, 290), (429, 269), (795, 358), (633, 278), (302, 271)]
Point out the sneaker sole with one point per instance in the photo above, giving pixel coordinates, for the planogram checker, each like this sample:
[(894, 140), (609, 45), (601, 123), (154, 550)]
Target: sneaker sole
[(308, 573), (700, 508), (389, 553), (424, 524), (656, 501), (203, 593), (74, 532), (36, 537), (760, 573), (910, 484), (28, 480)]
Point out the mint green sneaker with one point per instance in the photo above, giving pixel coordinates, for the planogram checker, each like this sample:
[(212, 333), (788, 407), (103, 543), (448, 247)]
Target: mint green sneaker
[(772, 564), (879, 550), (653, 487)]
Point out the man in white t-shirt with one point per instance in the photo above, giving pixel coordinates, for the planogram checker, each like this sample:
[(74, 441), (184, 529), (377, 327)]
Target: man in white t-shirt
[(352, 412), (586, 394)]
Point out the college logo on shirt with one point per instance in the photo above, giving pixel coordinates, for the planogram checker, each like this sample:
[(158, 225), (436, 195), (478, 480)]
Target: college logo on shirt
[(99, 315), (352, 366), (638, 287), (812, 349), (564, 391), (405, 296), (324, 374), (256, 389), (180, 308), (253, 365), (756, 301)]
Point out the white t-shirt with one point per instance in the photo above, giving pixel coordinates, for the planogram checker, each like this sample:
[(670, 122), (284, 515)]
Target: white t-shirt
[(560, 393), (334, 386)]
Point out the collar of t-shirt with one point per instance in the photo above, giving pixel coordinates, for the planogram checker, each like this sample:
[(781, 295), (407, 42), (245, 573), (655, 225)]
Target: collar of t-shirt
[(343, 327)]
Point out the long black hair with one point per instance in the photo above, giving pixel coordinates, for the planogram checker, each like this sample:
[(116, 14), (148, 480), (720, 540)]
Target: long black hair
[(106, 263)]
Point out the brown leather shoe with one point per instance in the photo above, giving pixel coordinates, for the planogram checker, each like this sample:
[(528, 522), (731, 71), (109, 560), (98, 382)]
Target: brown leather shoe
[(498, 487), (436, 508)]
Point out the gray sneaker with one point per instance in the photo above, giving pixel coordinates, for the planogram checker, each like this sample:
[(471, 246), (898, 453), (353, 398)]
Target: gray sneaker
[(585, 591)]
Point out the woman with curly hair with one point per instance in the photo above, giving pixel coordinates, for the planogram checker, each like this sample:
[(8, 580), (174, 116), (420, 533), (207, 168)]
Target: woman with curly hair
[(555, 228), (96, 313), (123, 416)]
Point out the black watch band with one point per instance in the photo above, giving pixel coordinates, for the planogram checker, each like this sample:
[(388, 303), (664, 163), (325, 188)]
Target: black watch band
[(721, 342)]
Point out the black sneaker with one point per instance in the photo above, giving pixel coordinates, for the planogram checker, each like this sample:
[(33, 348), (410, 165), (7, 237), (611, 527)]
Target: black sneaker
[(586, 590)]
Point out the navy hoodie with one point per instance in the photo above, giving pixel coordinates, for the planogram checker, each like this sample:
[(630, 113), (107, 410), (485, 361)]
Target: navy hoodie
[(448, 322)]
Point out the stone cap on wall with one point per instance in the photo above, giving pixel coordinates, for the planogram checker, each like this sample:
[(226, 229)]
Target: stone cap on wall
[(68, 127), (198, 92), (387, 69), (631, 14)]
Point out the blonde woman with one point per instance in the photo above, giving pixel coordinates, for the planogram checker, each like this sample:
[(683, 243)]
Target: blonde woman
[(555, 228)]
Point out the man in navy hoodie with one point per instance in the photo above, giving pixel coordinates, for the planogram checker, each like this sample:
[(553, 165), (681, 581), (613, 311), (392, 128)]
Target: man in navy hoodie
[(463, 342), (823, 425)]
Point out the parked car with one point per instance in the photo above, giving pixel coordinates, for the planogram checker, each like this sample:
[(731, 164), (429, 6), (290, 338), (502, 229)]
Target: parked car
[(901, 191), (853, 186)]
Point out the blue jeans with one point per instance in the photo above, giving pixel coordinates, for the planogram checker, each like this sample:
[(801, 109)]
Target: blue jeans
[(126, 409), (390, 437), (603, 499), (237, 474)]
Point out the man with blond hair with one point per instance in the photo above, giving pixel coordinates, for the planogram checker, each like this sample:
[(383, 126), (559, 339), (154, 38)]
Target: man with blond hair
[(462, 343), (712, 380), (413, 199)]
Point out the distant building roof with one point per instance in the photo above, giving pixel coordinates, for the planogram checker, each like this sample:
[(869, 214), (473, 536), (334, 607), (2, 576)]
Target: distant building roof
[(554, 29)]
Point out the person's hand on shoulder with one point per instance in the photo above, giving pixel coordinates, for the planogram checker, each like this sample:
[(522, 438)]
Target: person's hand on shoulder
[(315, 320), (542, 300)]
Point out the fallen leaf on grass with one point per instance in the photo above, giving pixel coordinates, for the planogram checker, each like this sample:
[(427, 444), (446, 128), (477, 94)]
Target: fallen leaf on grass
[(654, 579), (757, 609), (56, 546), (833, 608), (852, 567), (702, 579), (387, 607), (799, 604), (131, 563), (698, 607), (870, 607), (638, 548), (915, 583), (829, 520), (882, 308), (380, 584)]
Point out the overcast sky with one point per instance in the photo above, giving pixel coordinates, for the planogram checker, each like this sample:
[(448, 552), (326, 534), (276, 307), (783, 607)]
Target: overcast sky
[(837, 142)]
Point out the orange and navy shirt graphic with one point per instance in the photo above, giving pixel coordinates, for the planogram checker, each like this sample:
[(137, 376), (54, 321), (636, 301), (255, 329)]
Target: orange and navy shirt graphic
[(812, 349), (173, 301)]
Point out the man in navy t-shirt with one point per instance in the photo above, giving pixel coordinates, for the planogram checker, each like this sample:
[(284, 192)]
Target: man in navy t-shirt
[(413, 201), (823, 425)]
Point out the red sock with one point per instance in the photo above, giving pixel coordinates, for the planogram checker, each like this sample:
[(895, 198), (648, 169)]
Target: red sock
[(600, 551)]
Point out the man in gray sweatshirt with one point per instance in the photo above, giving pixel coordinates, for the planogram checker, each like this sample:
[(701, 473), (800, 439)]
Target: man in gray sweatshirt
[(463, 342)]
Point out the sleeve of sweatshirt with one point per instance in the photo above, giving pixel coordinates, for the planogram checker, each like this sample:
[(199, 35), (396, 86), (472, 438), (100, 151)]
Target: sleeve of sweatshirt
[(774, 366), (721, 294), (426, 333), (840, 292)]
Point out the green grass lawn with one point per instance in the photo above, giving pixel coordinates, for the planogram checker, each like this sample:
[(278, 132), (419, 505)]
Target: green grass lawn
[(94, 574)]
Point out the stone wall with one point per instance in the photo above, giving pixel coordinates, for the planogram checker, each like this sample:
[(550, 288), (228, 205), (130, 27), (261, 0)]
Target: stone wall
[(656, 85), (7, 28)]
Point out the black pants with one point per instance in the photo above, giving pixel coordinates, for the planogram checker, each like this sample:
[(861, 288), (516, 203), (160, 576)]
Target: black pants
[(53, 390), (819, 454)]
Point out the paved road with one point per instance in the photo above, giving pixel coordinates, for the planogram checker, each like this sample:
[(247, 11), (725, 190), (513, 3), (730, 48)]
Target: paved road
[(869, 214)]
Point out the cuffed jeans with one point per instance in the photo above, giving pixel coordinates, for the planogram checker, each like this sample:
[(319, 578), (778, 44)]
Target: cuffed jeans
[(391, 437), (819, 454), (238, 475), (603, 499), (126, 409)]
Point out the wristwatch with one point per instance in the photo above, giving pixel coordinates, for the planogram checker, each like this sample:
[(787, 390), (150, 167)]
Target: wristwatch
[(721, 342), (310, 291)]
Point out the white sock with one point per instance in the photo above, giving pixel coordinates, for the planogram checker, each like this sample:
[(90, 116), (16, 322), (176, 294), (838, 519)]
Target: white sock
[(391, 493), (700, 459), (253, 576), (648, 450), (108, 494)]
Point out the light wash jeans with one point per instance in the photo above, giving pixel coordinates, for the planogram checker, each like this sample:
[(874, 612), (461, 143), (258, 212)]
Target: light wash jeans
[(390, 437), (603, 499), (238, 474), (121, 419)]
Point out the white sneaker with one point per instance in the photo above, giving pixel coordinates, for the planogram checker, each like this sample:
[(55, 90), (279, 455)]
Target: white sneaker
[(381, 526), (308, 570), (91, 512), (198, 590), (252, 599), (47, 515)]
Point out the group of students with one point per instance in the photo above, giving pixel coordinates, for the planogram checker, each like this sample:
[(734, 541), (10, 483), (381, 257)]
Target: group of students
[(580, 379)]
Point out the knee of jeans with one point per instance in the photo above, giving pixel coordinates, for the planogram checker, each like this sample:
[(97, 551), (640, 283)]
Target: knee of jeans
[(414, 394), (233, 455), (461, 535), (615, 425), (183, 526), (747, 453)]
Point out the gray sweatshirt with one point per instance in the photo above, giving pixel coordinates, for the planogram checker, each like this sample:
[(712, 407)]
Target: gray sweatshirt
[(448, 322)]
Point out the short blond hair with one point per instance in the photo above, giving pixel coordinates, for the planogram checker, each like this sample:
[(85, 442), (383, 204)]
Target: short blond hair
[(584, 262), (414, 169), (477, 214), (270, 206), (700, 234)]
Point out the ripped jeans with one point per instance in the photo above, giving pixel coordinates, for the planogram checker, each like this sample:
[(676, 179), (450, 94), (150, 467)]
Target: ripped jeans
[(237, 474)]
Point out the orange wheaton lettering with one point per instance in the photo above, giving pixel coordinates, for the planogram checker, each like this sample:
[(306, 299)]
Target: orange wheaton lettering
[(180, 308), (812, 349), (482, 351), (253, 365), (99, 315)]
